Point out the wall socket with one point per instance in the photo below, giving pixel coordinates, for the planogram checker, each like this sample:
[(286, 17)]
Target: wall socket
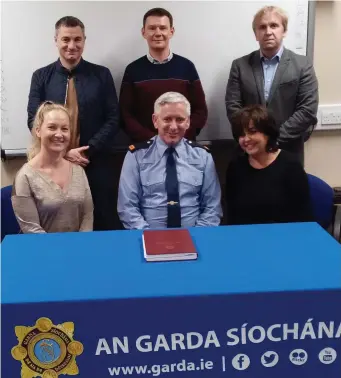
[(329, 117)]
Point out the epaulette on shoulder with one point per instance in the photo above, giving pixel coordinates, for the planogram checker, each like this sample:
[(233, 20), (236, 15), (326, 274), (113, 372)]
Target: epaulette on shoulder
[(195, 144), (139, 146)]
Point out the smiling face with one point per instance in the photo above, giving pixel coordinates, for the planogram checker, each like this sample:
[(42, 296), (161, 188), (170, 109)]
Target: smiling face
[(171, 122), (157, 31), (253, 142), (70, 42), (54, 132)]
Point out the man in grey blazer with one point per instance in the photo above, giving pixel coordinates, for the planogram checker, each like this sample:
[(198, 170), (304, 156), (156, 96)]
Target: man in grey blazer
[(277, 78)]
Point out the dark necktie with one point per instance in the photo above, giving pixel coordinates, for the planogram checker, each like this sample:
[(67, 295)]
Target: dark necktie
[(172, 188)]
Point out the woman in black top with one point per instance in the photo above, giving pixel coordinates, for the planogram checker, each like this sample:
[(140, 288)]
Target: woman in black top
[(265, 184)]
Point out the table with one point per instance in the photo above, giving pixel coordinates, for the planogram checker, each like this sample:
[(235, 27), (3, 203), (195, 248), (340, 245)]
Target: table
[(261, 301)]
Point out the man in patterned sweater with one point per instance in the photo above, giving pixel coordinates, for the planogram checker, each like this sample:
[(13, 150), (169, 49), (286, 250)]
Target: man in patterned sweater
[(158, 72)]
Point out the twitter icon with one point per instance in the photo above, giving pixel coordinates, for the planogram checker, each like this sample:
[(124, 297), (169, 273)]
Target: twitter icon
[(269, 359)]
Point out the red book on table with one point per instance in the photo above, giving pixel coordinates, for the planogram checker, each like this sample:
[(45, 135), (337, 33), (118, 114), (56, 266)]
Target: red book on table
[(168, 245)]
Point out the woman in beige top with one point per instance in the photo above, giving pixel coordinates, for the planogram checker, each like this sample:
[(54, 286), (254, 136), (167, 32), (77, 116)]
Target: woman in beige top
[(51, 194)]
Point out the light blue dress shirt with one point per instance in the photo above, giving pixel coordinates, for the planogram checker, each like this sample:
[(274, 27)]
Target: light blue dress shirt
[(142, 197), (269, 70)]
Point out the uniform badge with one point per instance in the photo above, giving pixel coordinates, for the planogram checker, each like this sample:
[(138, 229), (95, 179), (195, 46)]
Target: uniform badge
[(131, 147), (172, 203), (47, 350)]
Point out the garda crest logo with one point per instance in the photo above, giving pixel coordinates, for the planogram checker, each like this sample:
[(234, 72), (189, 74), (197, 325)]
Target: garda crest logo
[(47, 350)]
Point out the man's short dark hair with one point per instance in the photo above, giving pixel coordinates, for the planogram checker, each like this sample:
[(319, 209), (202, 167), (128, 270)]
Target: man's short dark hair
[(69, 22), (263, 121), (159, 12)]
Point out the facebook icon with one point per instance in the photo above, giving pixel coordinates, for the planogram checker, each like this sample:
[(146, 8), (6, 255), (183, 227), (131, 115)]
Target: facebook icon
[(241, 361)]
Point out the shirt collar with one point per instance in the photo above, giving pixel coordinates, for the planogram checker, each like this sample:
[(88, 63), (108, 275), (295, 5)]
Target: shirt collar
[(155, 61), (162, 146), (77, 69), (278, 55)]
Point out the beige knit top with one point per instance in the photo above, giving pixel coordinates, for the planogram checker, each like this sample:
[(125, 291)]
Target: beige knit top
[(41, 205)]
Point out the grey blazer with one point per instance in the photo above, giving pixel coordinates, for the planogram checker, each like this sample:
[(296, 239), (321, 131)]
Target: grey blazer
[(293, 96)]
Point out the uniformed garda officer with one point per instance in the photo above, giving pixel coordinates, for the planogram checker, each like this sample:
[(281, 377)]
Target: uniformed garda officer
[(169, 181)]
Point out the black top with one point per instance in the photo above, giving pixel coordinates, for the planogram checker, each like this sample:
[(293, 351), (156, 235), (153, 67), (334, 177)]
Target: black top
[(278, 193)]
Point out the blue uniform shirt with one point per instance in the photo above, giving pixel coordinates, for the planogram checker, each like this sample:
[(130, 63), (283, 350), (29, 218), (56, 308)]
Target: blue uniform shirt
[(142, 197)]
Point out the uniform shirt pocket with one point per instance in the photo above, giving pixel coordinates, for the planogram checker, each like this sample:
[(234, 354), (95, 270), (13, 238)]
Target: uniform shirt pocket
[(190, 181), (153, 184)]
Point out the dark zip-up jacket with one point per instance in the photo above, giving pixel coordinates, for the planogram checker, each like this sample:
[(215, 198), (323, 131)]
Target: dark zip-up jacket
[(96, 96)]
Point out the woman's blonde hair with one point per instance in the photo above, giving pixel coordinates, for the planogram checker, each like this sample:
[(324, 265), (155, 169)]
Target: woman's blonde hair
[(45, 108)]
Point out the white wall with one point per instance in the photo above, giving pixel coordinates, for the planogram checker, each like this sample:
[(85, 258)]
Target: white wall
[(210, 33), (323, 150)]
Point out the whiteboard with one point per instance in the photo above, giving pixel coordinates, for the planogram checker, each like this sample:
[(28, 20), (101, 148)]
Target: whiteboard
[(209, 33)]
